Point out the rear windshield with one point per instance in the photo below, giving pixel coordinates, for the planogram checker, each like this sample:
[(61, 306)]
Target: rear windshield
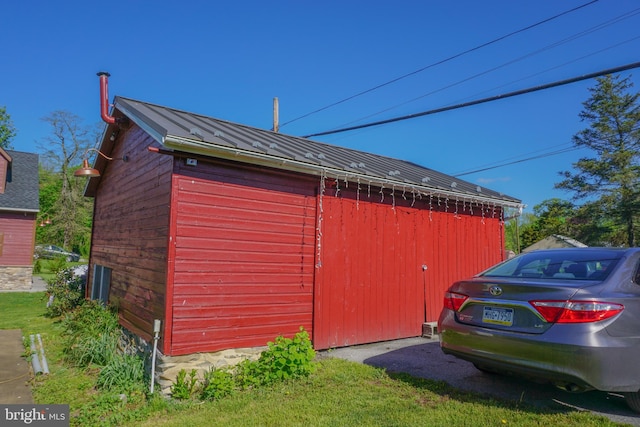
[(562, 264)]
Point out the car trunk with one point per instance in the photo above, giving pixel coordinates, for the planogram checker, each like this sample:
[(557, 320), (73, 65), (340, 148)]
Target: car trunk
[(505, 304)]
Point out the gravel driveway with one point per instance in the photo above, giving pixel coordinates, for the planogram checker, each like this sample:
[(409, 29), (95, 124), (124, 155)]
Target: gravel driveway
[(422, 358)]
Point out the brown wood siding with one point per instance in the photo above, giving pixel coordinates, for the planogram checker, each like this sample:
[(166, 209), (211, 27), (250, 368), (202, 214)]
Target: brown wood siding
[(130, 230), (244, 256), (371, 285), (17, 238), (4, 167)]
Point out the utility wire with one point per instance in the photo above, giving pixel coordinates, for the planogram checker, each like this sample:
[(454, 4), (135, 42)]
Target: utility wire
[(540, 156), (513, 61), (440, 62), (483, 100), (496, 165)]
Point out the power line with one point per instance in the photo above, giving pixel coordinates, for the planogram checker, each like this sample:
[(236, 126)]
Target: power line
[(539, 156), (496, 165), (483, 100), (440, 62), (513, 61)]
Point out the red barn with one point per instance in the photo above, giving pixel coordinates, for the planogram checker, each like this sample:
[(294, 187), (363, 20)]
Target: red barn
[(19, 206), (232, 235)]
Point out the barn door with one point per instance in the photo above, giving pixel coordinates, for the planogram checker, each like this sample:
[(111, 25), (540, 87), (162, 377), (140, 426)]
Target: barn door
[(369, 278)]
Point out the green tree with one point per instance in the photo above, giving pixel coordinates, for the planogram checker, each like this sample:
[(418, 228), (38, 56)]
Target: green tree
[(611, 177), (7, 130), (63, 150), (551, 216)]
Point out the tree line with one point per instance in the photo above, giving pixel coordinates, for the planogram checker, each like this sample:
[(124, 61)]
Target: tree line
[(604, 188)]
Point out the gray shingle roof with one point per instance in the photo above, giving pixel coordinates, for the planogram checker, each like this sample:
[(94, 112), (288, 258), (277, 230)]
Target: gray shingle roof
[(189, 132), (21, 191)]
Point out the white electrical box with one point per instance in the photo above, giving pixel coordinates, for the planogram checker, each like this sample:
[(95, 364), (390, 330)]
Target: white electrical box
[(192, 162)]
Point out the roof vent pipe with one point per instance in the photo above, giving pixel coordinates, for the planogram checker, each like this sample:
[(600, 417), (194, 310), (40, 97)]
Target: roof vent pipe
[(276, 125), (104, 98)]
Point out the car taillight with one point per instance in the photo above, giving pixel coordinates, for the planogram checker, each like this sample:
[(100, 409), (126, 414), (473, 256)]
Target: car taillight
[(453, 301), (576, 311)]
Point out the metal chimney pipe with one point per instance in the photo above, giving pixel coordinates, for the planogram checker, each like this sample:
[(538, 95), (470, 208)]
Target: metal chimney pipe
[(276, 124), (104, 98)]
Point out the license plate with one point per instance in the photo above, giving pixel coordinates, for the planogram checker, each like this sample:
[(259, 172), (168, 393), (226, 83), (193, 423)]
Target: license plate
[(497, 316)]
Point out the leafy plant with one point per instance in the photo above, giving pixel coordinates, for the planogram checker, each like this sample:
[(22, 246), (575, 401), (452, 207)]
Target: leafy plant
[(285, 358), (217, 383), (37, 266), (92, 334), (122, 373), (183, 387), (65, 290)]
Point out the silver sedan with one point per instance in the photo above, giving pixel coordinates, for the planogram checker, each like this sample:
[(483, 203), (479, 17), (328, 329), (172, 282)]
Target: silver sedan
[(570, 317)]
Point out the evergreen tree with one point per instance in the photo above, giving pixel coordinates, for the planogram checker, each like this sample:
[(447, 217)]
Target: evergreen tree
[(610, 179)]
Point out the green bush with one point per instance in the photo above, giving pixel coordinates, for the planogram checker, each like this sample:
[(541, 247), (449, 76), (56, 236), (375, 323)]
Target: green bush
[(65, 291), (284, 358), (217, 383), (184, 388)]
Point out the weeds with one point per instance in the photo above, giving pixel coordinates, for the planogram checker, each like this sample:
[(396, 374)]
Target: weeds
[(184, 388)]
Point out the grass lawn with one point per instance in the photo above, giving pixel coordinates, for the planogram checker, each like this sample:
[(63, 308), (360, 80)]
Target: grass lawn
[(338, 393)]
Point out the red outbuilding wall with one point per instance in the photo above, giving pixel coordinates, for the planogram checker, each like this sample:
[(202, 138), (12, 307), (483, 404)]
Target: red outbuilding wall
[(242, 256), (371, 282)]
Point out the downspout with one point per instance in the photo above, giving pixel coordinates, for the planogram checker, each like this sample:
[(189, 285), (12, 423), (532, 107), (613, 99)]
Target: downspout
[(104, 98)]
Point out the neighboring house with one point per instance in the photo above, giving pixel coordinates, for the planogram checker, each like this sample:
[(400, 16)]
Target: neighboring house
[(232, 235), (554, 241), (19, 206)]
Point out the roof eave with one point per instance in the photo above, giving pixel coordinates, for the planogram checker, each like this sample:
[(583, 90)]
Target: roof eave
[(264, 159)]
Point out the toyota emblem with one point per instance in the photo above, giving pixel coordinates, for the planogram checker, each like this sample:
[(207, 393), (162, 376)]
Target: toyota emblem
[(495, 291)]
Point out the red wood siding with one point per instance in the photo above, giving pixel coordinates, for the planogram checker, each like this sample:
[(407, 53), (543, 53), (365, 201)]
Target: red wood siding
[(370, 285), (17, 238), (130, 230), (244, 254)]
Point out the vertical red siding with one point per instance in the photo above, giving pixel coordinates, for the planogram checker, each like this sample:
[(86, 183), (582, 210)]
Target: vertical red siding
[(370, 285), (244, 254)]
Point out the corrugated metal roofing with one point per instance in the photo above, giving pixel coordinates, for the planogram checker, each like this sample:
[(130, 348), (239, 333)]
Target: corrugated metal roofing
[(189, 132), (21, 191)]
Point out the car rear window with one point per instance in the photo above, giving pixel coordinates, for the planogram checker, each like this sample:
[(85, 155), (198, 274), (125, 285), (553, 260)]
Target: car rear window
[(561, 264)]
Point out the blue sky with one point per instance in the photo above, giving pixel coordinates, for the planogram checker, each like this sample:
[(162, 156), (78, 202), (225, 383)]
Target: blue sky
[(229, 60)]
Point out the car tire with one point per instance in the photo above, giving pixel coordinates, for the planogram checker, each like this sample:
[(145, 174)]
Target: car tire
[(633, 400)]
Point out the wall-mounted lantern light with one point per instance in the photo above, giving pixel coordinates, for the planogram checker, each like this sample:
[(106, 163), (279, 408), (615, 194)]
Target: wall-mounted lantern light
[(89, 172)]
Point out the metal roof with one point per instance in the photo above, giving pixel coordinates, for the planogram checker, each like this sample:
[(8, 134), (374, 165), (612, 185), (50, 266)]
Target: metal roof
[(21, 190), (189, 132)]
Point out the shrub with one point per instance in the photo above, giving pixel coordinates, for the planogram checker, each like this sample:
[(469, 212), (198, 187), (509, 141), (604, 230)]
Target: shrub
[(285, 358), (217, 383), (65, 291)]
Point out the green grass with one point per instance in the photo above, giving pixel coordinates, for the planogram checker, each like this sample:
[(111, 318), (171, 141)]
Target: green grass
[(338, 393)]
